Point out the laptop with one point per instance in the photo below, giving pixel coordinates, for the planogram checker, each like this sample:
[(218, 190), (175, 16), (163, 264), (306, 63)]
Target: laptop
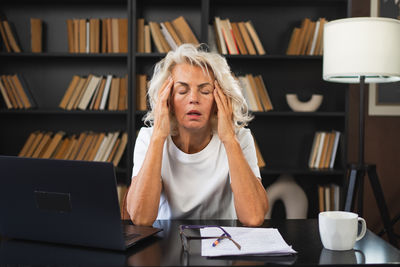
[(65, 202)]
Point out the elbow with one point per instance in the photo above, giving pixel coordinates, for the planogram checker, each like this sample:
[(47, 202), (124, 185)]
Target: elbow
[(253, 221), (138, 218), (142, 221)]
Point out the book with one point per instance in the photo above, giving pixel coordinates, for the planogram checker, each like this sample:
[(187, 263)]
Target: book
[(115, 35), (141, 91), (228, 37), (253, 88), (36, 35), (219, 37), (334, 150), (4, 37), (89, 91), (173, 33), (264, 96), (321, 198), (147, 39), (314, 39), (114, 91), (121, 149), (123, 94), (54, 142), (320, 148), (76, 35), (212, 43), (106, 92), (5, 96), (104, 33), (15, 92), (11, 37), (293, 42), (23, 92), (75, 93), (28, 144), (82, 35), (154, 30), (238, 38), (94, 33), (168, 37), (42, 146), (123, 35), (254, 36), (140, 35), (82, 92), (96, 105), (246, 38), (70, 35), (183, 30)]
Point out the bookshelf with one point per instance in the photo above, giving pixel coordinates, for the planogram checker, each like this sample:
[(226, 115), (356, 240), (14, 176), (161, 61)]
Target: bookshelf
[(284, 137)]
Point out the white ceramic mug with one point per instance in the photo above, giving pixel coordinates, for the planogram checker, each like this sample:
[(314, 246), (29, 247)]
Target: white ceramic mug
[(338, 229)]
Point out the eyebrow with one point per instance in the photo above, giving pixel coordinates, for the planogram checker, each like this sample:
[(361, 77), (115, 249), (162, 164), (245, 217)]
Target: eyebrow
[(199, 86)]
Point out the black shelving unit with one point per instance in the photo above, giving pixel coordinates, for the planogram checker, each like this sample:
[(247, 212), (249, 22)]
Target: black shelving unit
[(284, 136)]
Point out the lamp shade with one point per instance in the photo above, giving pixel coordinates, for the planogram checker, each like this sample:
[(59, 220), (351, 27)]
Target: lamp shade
[(364, 46)]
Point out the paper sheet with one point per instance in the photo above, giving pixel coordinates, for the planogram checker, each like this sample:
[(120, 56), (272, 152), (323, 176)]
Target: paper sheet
[(253, 241)]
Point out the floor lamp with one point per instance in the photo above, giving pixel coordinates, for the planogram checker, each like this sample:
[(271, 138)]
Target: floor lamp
[(363, 50)]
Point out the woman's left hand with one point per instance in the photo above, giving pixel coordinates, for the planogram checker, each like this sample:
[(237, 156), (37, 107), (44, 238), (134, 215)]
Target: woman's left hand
[(225, 113)]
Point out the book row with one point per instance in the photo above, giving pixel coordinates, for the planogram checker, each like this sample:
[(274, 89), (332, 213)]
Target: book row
[(236, 38), (307, 40), (15, 94), (255, 93), (96, 93), (323, 150), (89, 146), (166, 36), (106, 35), (328, 197)]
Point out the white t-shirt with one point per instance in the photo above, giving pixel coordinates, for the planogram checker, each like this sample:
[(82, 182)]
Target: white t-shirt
[(195, 186)]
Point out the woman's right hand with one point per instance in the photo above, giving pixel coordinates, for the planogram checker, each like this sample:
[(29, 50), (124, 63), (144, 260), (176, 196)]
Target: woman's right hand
[(161, 111)]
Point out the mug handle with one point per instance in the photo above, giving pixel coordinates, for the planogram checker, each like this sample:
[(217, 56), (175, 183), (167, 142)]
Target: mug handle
[(363, 228)]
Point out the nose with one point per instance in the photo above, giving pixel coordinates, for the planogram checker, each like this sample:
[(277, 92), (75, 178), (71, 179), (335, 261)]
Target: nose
[(194, 98)]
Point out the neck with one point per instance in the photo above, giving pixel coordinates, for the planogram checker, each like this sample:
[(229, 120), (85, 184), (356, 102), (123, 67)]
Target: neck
[(192, 142)]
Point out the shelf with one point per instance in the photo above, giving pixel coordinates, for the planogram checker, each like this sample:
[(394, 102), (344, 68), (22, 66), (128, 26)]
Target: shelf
[(285, 114), (298, 114), (58, 55), (296, 171), (62, 112), (257, 57)]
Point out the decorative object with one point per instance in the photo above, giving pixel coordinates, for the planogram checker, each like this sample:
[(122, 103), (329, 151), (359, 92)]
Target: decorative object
[(363, 50), (292, 196), (309, 106)]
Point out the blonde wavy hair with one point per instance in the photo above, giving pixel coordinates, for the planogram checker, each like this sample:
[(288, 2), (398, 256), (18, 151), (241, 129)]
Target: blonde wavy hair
[(207, 61)]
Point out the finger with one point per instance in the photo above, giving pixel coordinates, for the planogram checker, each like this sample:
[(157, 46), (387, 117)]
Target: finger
[(222, 96), (220, 107), (164, 86), (166, 90)]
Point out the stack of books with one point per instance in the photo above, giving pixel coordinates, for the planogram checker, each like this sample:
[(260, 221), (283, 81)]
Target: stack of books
[(328, 196), (166, 36), (15, 93), (87, 146), (8, 36), (307, 40), (107, 35), (323, 151), (255, 93), (96, 93), (236, 38)]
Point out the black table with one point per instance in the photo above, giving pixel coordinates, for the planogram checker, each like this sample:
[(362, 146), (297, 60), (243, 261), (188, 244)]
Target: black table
[(165, 249)]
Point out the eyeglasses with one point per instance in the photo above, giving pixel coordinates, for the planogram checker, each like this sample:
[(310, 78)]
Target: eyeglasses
[(185, 238)]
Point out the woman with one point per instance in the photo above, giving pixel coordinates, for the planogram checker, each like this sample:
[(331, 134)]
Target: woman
[(197, 161)]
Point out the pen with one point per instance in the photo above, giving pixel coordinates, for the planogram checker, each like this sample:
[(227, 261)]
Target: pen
[(216, 242)]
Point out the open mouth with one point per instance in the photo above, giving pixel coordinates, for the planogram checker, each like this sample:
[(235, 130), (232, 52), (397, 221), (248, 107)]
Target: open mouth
[(194, 113)]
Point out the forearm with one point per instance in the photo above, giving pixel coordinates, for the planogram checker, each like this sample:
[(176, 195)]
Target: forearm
[(250, 198), (145, 190)]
